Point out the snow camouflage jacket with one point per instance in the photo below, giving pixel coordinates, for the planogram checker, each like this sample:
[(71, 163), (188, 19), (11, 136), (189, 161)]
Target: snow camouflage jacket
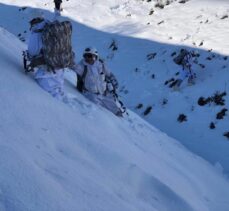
[(35, 40), (96, 78)]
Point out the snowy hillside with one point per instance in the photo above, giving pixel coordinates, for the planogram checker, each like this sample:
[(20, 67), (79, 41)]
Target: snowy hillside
[(76, 156), (139, 41)]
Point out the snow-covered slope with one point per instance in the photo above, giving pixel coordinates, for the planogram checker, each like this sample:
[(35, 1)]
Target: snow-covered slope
[(76, 156), (138, 40), (144, 65)]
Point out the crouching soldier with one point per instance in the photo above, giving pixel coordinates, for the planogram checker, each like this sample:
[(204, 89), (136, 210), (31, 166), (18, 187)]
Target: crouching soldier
[(185, 60), (97, 83), (45, 60)]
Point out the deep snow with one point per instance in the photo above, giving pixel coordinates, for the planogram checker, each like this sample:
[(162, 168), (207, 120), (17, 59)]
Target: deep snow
[(54, 157)]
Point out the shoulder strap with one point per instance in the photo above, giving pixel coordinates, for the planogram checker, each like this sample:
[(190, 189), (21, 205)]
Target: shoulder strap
[(38, 30), (103, 66), (101, 60), (81, 79), (84, 73)]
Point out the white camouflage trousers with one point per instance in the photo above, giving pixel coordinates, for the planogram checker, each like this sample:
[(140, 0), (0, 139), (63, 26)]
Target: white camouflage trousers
[(107, 101), (51, 82)]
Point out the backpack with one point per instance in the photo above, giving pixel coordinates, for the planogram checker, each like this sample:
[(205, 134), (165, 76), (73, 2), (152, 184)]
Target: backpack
[(57, 49), (179, 59)]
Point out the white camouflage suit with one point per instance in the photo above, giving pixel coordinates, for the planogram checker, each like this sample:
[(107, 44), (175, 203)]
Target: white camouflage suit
[(96, 86), (187, 71), (50, 81)]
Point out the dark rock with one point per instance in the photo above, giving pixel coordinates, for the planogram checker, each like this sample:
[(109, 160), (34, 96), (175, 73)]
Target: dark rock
[(22, 8), (212, 125), (224, 17), (140, 105), (160, 22), (201, 101), (182, 118), (221, 114), (201, 43), (22, 39), (151, 12), (151, 56), (173, 83), (218, 98), (183, 1), (202, 66), (226, 134), (165, 101), (136, 70), (169, 81), (148, 110), (160, 5)]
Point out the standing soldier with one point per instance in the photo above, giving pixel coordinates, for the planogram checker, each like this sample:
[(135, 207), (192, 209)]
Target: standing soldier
[(97, 83), (58, 8)]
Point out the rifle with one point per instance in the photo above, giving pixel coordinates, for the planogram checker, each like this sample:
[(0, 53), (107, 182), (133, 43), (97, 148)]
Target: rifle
[(31, 62)]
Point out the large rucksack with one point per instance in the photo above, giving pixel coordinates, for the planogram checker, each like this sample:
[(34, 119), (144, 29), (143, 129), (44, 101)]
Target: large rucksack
[(57, 48)]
